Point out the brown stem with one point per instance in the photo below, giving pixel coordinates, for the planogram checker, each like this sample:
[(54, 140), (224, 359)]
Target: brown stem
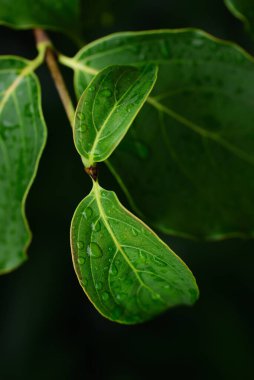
[(50, 57), (92, 171)]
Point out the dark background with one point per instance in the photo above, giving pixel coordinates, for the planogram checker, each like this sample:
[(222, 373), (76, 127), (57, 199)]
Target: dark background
[(48, 328)]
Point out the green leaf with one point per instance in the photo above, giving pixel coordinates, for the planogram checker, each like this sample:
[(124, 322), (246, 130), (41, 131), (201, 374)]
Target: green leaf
[(127, 272), (108, 107), (60, 15), (244, 11), (186, 164), (22, 138)]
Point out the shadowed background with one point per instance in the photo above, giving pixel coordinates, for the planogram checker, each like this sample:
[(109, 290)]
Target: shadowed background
[(48, 328)]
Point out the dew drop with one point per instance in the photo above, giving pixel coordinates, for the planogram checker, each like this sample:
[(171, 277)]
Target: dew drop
[(28, 110), (117, 312), (134, 98), (155, 296), (96, 226), (197, 42), (91, 88), (121, 296), (80, 244), (113, 270), (82, 128), (84, 282), (8, 124), (134, 232), (143, 256), (80, 116), (106, 93), (94, 250), (87, 213), (81, 260), (110, 249), (105, 296), (98, 285)]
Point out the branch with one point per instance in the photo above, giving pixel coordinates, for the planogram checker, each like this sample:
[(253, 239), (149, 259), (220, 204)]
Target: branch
[(51, 60)]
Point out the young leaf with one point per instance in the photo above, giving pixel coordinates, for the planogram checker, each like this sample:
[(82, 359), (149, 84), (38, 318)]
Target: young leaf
[(22, 138), (190, 152), (108, 107), (243, 10), (127, 272), (27, 14)]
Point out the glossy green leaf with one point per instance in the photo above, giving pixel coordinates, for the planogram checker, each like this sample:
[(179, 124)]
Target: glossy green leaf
[(187, 164), (60, 15), (127, 272), (108, 107), (22, 138), (244, 11)]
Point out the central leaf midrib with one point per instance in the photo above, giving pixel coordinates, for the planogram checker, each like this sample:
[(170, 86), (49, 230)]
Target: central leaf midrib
[(23, 73), (97, 138), (118, 245), (201, 131)]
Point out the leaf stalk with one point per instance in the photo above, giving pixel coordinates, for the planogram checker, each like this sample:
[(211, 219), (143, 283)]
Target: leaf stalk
[(45, 46)]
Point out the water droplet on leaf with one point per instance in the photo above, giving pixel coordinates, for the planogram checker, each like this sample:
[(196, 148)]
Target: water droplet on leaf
[(105, 296), (81, 260), (143, 256), (113, 270), (197, 42), (80, 244), (96, 226), (82, 128), (117, 312), (80, 116), (94, 250), (106, 93), (134, 232), (28, 110), (155, 296), (87, 213), (98, 285), (84, 282)]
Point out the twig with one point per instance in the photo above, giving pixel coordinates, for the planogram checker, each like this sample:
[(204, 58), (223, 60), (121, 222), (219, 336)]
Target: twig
[(50, 58)]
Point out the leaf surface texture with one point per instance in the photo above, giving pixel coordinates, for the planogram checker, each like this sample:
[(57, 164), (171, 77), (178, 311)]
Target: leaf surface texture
[(108, 107), (127, 272), (22, 138)]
